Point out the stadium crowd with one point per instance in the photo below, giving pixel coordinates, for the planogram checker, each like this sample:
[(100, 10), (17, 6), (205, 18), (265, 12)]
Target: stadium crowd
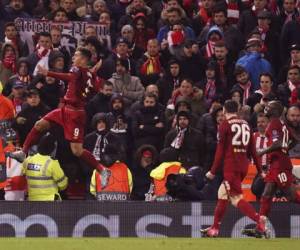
[(159, 88)]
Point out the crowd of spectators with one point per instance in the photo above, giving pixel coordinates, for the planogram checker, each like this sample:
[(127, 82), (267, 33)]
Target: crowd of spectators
[(172, 65)]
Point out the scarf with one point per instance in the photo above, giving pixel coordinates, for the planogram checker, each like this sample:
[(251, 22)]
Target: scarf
[(43, 55), (151, 66), (222, 71), (289, 17), (246, 90), (178, 141), (294, 91), (17, 103), (41, 51), (175, 38), (25, 79), (175, 83), (210, 49), (9, 62), (12, 41), (233, 12), (210, 90), (100, 144), (263, 33)]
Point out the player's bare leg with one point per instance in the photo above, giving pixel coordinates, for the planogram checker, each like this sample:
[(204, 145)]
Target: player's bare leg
[(247, 209), (85, 155), (220, 210), (31, 139), (35, 134)]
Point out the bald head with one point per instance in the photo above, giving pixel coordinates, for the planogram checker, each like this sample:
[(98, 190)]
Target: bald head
[(153, 47), (152, 88), (293, 116), (274, 109)]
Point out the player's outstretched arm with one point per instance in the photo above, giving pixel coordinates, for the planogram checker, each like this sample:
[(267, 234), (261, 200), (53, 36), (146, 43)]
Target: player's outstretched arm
[(61, 76), (96, 67), (275, 146)]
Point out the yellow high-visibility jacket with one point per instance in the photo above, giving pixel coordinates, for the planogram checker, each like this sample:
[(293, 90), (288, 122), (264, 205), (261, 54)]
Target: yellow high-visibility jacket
[(44, 177), (160, 175)]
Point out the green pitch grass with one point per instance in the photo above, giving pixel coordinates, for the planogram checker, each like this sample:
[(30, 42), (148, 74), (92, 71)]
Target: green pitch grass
[(147, 244)]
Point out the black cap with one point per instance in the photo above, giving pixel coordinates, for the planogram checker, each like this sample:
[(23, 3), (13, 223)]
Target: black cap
[(32, 92), (265, 14), (189, 43), (294, 47), (122, 40), (184, 114), (18, 84)]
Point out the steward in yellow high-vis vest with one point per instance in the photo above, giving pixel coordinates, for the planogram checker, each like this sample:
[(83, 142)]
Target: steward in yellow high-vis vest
[(160, 174), (43, 173)]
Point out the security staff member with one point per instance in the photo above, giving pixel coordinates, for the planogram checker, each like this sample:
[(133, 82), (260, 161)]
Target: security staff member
[(169, 165), (44, 174), (113, 183)]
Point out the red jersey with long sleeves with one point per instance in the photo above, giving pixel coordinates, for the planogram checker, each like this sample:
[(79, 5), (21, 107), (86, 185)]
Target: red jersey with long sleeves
[(278, 131), (80, 82), (234, 146)]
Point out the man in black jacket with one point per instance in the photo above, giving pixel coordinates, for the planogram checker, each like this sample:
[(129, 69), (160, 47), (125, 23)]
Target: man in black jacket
[(187, 140), (32, 111), (148, 123), (100, 102), (120, 124)]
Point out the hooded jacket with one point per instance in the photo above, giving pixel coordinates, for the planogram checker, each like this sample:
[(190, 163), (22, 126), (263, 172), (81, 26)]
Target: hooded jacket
[(13, 79), (254, 65), (128, 86), (6, 73), (97, 141), (141, 175), (167, 84), (149, 134)]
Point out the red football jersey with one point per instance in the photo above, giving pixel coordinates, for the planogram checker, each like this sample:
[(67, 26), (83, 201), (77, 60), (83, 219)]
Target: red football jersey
[(277, 130), (234, 146), (80, 82)]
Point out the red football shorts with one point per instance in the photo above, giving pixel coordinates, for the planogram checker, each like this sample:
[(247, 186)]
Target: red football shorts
[(72, 120), (233, 182), (282, 178)]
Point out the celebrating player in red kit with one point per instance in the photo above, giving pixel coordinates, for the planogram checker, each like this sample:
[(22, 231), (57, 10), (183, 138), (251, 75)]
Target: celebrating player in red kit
[(279, 174), (71, 116), (234, 147)]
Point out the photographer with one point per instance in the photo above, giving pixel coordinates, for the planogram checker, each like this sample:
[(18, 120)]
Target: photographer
[(169, 165), (191, 186)]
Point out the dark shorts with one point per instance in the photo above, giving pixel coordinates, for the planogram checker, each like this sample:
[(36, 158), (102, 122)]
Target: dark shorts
[(233, 182), (72, 121), (282, 178)]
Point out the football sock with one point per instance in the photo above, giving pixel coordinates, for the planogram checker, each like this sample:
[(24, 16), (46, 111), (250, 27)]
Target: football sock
[(248, 210), (31, 139), (89, 159), (220, 211), (265, 205)]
